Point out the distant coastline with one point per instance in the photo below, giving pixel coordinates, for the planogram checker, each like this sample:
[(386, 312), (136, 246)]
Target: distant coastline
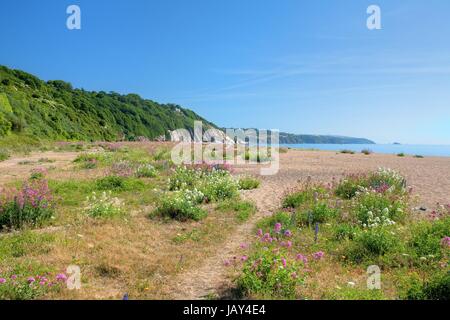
[(409, 150)]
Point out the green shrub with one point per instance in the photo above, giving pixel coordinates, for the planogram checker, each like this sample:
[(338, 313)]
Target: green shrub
[(346, 151), (418, 156), (162, 154), (319, 213), (386, 180), (242, 209), (146, 171), (349, 293), (285, 218), (382, 181), (374, 209), (296, 199), (427, 238), (264, 276), (181, 205), (401, 154), (372, 243), (306, 196), (349, 187), (111, 183), (31, 205), (4, 155), (215, 184), (436, 288), (366, 152), (218, 187), (103, 206), (343, 231), (248, 183)]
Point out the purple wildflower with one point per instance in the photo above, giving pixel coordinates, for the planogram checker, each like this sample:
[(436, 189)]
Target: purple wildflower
[(61, 277), (278, 227), (445, 242), (302, 258), (318, 255)]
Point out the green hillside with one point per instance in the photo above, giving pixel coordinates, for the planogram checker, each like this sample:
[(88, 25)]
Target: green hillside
[(54, 110)]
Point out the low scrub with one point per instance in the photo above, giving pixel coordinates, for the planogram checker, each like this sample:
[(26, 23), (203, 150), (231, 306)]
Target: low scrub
[(272, 271), (214, 182), (430, 239), (242, 209), (31, 205), (319, 213), (181, 205), (27, 283), (372, 243), (103, 206), (308, 195), (436, 288), (374, 209), (381, 181), (4, 155), (248, 183), (269, 274)]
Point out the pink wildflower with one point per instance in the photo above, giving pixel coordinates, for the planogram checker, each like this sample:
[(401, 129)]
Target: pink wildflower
[(260, 233), (244, 258), (278, 227), (288, 233), (283, 261), (2, 280), (61, 277), (445, 242), (318, 255), (31, 280), (302, 258)]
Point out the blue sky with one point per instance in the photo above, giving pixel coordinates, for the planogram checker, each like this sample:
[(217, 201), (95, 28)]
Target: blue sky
[(298, 66)]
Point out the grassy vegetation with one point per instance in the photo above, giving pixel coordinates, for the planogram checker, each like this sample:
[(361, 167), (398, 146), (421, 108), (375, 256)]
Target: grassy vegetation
[(248, 183), (99, 215), (321, 244)]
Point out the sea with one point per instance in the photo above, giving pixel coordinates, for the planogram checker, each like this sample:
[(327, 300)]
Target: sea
[(407, 149)]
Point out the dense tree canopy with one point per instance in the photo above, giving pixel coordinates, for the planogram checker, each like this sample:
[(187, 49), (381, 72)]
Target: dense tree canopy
[(55, 110)]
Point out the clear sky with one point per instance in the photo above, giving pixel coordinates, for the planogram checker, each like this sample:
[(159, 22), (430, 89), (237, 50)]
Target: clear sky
[(294, 65)]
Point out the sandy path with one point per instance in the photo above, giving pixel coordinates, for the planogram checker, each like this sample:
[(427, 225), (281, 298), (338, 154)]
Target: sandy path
[(210, 278), (12, 168)]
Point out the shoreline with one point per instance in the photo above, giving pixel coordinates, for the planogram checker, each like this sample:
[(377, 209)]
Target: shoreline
[(385, 149)]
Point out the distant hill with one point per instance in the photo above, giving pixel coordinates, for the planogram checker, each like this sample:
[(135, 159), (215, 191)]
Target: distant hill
[(290, 138), (54, 110)]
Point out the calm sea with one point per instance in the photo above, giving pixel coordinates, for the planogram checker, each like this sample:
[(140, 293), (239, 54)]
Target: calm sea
[(409, 149)]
